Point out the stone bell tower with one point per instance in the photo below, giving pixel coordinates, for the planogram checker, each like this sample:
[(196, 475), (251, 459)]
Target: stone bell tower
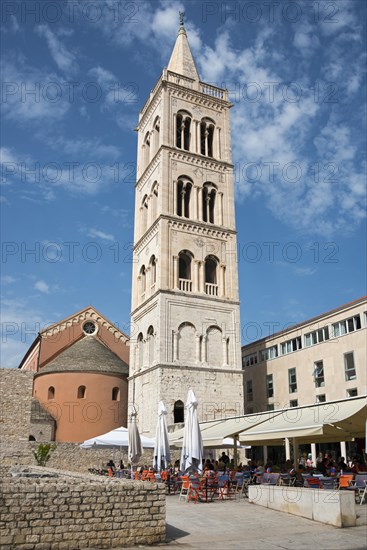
[(185, 310)]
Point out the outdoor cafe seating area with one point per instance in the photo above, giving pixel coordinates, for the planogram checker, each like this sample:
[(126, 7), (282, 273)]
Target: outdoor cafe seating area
[(229, 483)]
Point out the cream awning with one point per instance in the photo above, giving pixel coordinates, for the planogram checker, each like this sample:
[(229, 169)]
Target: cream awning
[(334, 421), (330, 422)]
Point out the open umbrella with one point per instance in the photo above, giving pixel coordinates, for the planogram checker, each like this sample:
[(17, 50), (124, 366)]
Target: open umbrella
[(115, 438), (192, 447), (161, 450), (134, 439)]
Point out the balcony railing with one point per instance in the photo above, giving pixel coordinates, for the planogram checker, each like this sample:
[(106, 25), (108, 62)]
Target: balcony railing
[(211, 289), (185, 285)]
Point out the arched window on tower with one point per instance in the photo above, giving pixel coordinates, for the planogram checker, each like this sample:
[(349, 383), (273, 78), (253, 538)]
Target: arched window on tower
[(183, 197), (178, 412), (144, 214), (81, 392), (206, 137), (143, 281), (156, 133), (209, 195), (140, 341), (150, 337), (146, 150), (116, 394), (211, 284), (183, 130), (184, 270), (153, 271), (154, 200), (51, 393)]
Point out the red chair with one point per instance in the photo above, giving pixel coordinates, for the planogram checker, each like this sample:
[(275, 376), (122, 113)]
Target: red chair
[(313, 483)]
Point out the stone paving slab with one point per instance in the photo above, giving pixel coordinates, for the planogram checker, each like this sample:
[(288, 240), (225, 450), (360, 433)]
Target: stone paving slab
[(240, 525)]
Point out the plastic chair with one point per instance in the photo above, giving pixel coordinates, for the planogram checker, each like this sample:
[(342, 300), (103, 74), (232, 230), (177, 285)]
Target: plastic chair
[(185, 487), (313, 483), (328, 483), (359, 486), (345, 481), (222, 488), (194, 490)]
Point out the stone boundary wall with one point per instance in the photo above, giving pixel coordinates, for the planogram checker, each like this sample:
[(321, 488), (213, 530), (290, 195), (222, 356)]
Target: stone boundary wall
[(69, 456), (79, 511)]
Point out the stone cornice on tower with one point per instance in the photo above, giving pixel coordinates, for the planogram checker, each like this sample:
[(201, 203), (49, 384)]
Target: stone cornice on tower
[(206, 163), (190, 226), (184, 88)]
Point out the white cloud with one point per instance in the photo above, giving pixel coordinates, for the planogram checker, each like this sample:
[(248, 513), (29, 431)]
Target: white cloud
[(287, 133), (305, 271), (42, 287), (24, 97), (8, 279), (7, 156), (63, 57), (96, 233)]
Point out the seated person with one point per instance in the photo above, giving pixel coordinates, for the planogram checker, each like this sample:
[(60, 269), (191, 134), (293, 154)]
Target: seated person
[(111, 465), (208, 465), (342, 465)]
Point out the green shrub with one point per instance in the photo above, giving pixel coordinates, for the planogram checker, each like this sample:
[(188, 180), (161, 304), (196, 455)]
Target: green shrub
[(43, 452)]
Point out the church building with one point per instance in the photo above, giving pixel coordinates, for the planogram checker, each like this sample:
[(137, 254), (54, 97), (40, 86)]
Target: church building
[(81, 371), (185, 305)]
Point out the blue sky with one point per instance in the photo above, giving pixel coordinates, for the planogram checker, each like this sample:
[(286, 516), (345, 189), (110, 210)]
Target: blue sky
[(75, 75)]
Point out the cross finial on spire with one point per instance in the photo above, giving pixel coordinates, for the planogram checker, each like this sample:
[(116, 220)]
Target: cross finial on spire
[(182, 18)]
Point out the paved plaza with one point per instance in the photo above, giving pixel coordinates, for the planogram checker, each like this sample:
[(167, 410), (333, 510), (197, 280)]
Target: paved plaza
[(241, 525)]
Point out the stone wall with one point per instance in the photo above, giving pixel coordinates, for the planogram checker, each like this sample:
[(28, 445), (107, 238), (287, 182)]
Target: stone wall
[(79, 511), (66, 456), (16, 397)]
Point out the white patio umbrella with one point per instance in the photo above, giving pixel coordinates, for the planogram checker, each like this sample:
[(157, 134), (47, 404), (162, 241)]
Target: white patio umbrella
[(192, 447), (135, 450), (115, 438), (162, 455)]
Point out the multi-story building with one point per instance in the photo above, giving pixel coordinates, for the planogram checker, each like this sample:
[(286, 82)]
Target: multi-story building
[(185, 305), (320, 360)]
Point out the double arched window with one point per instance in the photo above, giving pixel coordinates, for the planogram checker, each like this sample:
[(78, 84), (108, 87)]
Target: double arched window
[(147, 279), (183, 130)]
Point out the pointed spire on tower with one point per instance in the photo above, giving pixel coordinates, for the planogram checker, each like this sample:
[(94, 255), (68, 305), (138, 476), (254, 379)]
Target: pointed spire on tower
[(182, 61)]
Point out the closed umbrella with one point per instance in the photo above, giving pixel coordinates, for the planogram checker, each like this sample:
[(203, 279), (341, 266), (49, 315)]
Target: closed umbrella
[(192, 447), (134, 439), (161, 450)]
